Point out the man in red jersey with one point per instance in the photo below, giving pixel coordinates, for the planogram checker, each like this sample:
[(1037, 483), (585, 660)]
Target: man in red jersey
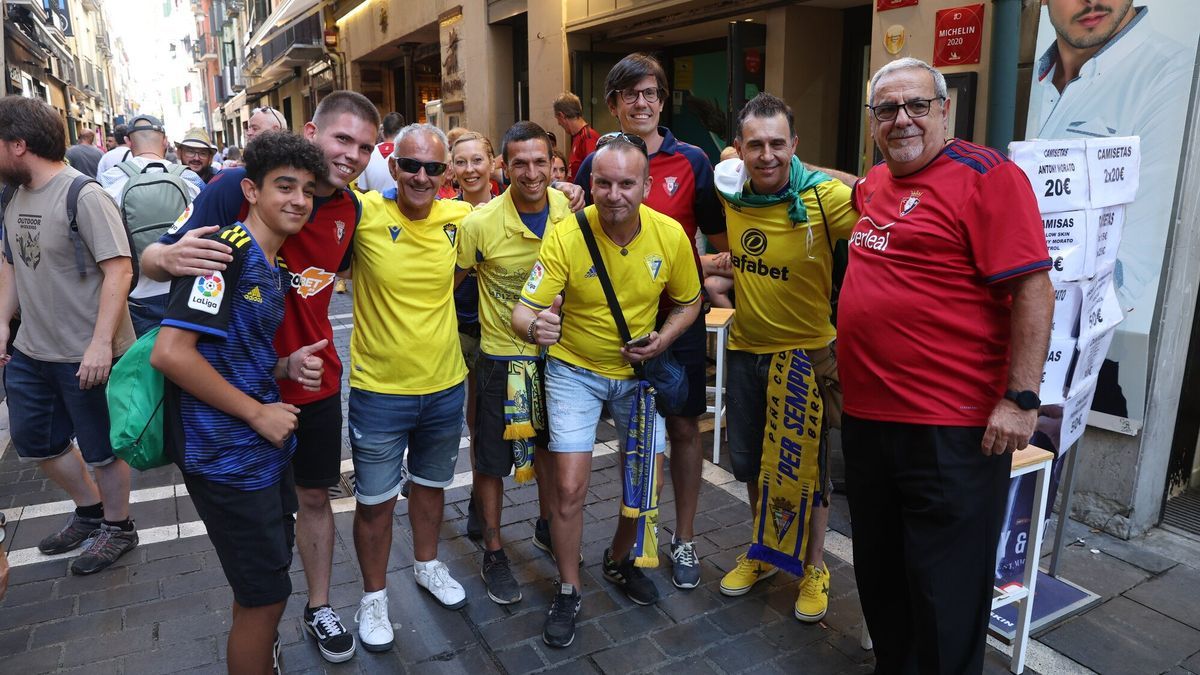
[(944, 321), (344, 127)]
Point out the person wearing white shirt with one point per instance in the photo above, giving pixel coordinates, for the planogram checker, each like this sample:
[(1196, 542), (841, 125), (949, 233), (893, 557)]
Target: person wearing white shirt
[(1108, 73), (377, 176), (116, 155)]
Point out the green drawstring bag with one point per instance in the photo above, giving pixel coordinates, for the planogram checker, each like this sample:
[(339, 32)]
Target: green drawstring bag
[(135, 407)]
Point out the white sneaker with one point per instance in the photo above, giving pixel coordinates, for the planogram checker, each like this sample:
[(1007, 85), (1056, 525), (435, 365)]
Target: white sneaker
[(374, 627), (436, 579)]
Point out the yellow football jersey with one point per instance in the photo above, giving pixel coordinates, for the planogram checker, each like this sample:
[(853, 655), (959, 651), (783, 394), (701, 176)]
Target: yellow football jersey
[(405, 338), (659, 257), (782, 271), (495, 242)]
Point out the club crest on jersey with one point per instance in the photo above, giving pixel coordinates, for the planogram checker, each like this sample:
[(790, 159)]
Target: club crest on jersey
[(208, 293), (671, 185), (451, 231), (394, 230), (910, 202), (339, 230), (654, 264), (535, 277), (311, 281)]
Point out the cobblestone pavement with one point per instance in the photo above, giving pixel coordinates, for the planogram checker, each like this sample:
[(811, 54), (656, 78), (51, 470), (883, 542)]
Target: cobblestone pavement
[(164, 608)]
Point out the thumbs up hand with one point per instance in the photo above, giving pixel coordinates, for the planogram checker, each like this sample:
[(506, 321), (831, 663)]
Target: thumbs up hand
[(305, 368), (547, 327)]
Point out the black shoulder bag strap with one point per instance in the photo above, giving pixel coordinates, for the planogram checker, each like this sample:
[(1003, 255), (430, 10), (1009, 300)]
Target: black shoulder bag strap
[(589, 237)]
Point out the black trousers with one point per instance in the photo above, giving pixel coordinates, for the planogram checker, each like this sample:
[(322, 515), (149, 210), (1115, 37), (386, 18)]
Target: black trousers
[(926, 508)]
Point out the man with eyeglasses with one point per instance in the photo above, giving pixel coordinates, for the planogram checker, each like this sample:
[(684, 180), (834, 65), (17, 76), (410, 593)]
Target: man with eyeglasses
[(344, 127), (262, 120), (563, 306), (407, 380), (681, 186), (944, 321), (196, 152)]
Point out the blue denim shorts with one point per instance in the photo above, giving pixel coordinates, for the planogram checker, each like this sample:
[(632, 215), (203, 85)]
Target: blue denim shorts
[(46, 408), (383, 426), (574, 396)]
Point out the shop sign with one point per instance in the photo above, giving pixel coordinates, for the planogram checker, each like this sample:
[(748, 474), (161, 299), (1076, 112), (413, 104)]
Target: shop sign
[(958, 36), (753, 61), (884, 5)]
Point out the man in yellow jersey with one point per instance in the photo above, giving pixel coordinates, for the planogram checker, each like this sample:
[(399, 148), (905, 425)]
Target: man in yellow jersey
[(644, 253), (406, 372), (500, 241), (783, 221)]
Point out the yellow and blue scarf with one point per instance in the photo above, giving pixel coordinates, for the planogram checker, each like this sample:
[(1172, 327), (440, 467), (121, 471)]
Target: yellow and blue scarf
[(639, 487), (789, 480), (524, 413)]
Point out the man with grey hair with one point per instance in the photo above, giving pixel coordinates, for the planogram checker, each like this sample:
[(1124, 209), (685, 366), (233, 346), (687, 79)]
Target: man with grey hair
[(944, 321), (403, 269)]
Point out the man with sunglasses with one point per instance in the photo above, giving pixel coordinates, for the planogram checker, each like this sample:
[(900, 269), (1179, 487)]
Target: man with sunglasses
[(563, 307), (344, 127), (407, 383), (681, 186), (944, 321)]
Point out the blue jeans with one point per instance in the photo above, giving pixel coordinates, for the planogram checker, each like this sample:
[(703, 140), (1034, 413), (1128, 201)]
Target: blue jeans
[(383, 426), (46, 408), (573, 399)]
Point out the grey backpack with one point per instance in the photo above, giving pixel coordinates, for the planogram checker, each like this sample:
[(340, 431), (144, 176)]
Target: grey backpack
[(152, 200)]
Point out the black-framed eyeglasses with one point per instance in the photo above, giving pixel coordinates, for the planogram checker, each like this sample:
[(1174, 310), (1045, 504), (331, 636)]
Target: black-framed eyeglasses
[(630, 96), (410, 165), (622, 137), (918, 107)]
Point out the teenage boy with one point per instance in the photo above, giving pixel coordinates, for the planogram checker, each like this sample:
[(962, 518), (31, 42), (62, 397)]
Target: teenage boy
[(232, 435)]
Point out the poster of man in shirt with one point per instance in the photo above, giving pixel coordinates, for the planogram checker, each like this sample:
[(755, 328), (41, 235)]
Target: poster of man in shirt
[(1113, 68)]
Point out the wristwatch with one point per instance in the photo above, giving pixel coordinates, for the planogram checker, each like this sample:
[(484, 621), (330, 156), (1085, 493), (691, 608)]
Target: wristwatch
[(1025, 400)]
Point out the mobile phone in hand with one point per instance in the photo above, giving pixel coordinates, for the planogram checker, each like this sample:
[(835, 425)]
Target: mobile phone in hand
[(638, 342)]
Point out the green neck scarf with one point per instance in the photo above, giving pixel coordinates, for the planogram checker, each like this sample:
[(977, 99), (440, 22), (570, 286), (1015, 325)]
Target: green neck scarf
[(799, 180)]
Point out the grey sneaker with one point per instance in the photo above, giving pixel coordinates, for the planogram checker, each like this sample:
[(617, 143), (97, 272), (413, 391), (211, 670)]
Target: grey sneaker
[(685, 567), (69, 538), (502, 588), (103, 548), (541, 539)]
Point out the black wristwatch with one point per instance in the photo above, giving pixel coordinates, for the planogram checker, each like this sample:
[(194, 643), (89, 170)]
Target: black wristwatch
[(1025, 400)]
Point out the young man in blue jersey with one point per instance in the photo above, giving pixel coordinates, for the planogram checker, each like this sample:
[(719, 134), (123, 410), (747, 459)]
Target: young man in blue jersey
[(231, 433)]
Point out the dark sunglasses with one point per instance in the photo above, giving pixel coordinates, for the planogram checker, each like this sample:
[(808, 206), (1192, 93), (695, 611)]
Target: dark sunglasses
[(622, 137), (410, 165)]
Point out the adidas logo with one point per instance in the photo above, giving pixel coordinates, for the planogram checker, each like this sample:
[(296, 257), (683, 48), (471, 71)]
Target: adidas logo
[(590, 273), (254, 295)]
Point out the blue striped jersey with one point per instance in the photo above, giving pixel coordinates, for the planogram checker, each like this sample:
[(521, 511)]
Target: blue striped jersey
[(236, 312)]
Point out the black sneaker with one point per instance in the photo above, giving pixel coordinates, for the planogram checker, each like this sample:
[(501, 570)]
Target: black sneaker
[(77, 530), (474, 527), (497, 576), (335, 642), (637, 586), (103, 548), (559, 629), (541, 539)]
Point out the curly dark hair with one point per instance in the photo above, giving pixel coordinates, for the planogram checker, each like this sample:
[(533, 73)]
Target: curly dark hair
[(273, 149)]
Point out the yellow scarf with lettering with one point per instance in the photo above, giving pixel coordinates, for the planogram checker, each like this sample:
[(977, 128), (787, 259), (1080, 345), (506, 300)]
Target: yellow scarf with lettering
[(524, 412), (789, 480)]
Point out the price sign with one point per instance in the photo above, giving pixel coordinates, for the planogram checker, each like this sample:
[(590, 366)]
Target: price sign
[(1091, 352), (958, 36), (1066, 237), (1054, 372), (1057, 170), (1067, 299), (1113, 168), (1104, 238), (1100, 310), (1075, 415)]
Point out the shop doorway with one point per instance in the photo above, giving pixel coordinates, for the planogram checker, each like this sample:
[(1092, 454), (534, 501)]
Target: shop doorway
[(1182, 491)]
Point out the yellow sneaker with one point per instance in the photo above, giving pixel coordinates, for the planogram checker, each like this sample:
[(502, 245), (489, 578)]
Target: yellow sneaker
[(813, 599), (742, 578)]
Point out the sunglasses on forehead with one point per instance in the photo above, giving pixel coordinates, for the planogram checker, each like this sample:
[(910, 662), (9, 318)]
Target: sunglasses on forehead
[(274, 113), (622, 137), (410, 165)]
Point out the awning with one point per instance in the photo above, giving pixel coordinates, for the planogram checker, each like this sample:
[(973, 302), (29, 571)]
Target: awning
[(287, 12), (233, 107)]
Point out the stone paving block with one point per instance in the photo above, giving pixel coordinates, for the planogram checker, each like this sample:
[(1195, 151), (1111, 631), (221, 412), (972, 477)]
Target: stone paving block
[(15, 640), (37, 591), (44, 660), (634, 622), (751, 651), (849, 644), (173, 658), (164, 610), (472, 660), (178, 547), (1121, 636), (104, 647), (683, 606), (685, 638), (734, 536), (627, 658), (1127, 551), (102, 580), (51, 569), (589, 638), (29, 615), (118, 596), (75, 627), (520, 659), (695, 664), (817, 658), (1100, 573), (167, 567), (743, 616), (193, 626), (1175, 594), (1192, 663), (184, 584), (580, 667), (735, 514), (514, 629)]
